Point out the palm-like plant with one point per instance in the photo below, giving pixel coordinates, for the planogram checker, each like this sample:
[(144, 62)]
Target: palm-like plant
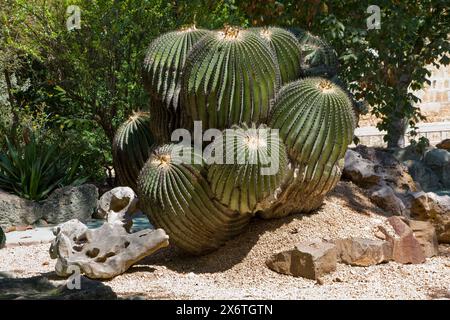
[(34, 170)]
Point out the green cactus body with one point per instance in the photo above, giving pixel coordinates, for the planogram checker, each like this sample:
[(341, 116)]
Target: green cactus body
[(287, 51), (176, 196), (163, 69), (318, 57), (2, 238), (230, 78), (316, 121), (132, 145), (241, 185)]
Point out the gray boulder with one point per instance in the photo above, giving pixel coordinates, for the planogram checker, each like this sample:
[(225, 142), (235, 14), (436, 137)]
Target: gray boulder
[(72, 202), (439, 161), (102, 253), (385, 198), (15, 211), (422, 174), (359, 170)]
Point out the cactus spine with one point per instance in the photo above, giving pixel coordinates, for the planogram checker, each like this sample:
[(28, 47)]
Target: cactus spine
[(177, 197), (287, 51), (132, 145), (230, 78), (163, 69), (242, 186)]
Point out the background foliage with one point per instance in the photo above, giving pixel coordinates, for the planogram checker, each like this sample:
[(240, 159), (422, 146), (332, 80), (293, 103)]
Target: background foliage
[(75, 88)]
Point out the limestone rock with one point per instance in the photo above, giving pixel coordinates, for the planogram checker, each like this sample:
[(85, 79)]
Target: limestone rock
[(118, 205), (15, 211), (359, 170), (425, 233), (405, 247), (309, 260), (385, 198), (444, 144), (72, 202), (435, 209), (363, 252), (102, 253)]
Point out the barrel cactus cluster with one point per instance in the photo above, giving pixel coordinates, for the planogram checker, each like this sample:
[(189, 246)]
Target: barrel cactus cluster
[(268, 96)]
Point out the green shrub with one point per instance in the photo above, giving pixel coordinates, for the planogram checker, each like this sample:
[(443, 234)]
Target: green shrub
[(34, 170)]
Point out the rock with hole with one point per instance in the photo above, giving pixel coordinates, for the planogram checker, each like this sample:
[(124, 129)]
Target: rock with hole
[(102, 253)]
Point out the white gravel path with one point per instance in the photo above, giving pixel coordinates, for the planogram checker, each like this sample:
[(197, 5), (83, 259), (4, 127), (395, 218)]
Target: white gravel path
[(238, 271)]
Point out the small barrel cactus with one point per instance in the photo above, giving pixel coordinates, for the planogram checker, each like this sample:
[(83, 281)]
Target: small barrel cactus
[(177, 197), (316, 122), (230, 78), (246, 184), (318, 57), (287, 51), (132, 145), (163, 66)]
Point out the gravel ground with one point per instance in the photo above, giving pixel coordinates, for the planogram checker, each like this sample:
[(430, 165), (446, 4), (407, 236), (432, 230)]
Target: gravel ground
[(238, 271)]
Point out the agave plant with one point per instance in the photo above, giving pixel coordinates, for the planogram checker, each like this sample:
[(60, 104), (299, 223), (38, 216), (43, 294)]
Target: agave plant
[(230, 80), (34, 170)]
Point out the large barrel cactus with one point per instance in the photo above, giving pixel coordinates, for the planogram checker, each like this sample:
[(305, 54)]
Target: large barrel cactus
[(245, 183), (132, 145), (177, 197), (316, 122), (230, 78), (275, 151), (287, 51), (163, 65)]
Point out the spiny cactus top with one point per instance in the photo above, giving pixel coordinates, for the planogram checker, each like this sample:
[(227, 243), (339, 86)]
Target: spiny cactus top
[(258, 168), (164, 63), (174, 192), (287, 51), (230, 78), (315, 118), (318, 57), (132, 146)]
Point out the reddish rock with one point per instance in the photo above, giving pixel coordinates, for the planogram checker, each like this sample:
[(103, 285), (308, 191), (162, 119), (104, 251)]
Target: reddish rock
[(425, 233), (405, 247), (435, 209), (309, 260), (363, 252)]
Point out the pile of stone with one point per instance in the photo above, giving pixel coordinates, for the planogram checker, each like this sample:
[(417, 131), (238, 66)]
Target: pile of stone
[(404, 183), (400, 240)]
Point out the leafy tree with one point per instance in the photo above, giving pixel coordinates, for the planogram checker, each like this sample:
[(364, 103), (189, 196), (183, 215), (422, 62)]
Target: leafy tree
[(383, 65)]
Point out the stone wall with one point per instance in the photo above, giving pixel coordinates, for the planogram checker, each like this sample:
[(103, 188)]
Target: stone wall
[(435, 104)]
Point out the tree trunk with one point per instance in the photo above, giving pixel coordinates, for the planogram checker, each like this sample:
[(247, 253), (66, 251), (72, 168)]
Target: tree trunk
[(12, 102), (396, 133)]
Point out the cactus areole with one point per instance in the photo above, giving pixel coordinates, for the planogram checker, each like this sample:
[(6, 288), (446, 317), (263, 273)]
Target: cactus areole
[(289, 131)]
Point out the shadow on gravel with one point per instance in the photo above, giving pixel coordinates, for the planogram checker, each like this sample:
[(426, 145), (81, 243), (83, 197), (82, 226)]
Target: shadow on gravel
[(41, 288)]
